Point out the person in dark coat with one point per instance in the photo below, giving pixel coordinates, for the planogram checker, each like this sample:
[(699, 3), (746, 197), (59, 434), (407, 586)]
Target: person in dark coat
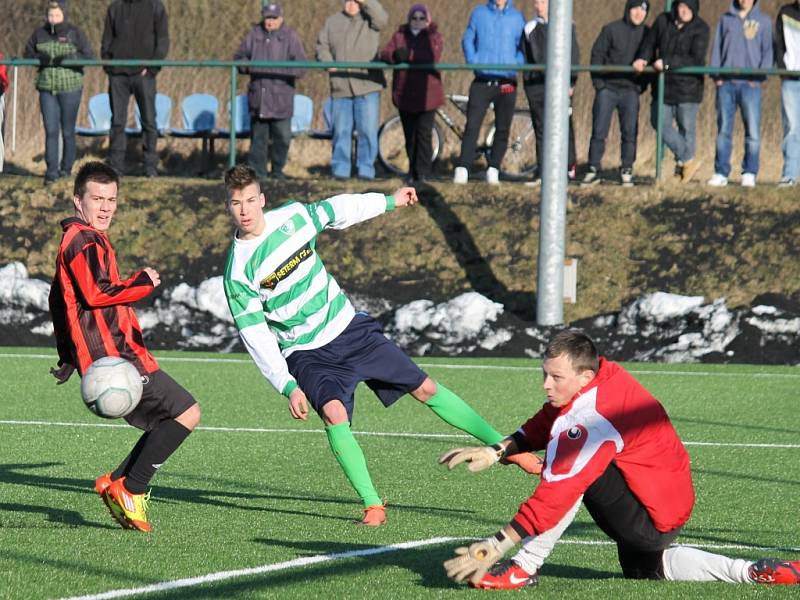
[(678, 38), (417, 93), (617, 44), (134, 29), (535, 45), (60, 88), (270, 94)]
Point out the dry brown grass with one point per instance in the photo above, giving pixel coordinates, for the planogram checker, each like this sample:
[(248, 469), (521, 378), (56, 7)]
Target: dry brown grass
[(212, 29)]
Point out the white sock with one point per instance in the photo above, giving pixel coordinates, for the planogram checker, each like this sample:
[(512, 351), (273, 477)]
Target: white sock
[(683, 563), (537, 548)]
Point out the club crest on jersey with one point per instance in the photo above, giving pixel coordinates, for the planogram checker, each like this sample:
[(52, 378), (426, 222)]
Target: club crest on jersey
[(287, 268), (287, 228), (574, 433)]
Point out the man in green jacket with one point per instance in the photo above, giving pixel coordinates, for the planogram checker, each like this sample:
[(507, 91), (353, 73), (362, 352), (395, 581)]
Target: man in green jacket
[(353, 35)]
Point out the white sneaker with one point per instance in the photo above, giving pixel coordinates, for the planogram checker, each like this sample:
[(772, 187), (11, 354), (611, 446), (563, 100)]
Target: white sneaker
[(787, 182), (460, 176), (718, 180), (748, 180), (492, 176)]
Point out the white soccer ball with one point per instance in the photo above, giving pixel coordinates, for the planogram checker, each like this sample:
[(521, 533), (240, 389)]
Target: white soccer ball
[(111, 387)]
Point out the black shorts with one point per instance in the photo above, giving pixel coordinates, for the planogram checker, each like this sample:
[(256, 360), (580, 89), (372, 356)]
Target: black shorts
[(162, 398), (622, 517), (360, 353)]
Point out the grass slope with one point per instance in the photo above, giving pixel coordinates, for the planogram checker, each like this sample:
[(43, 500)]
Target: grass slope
[(683, 240), (233, 499)]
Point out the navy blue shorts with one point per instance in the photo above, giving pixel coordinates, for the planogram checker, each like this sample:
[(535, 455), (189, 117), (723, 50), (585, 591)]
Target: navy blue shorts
[(360, 353)]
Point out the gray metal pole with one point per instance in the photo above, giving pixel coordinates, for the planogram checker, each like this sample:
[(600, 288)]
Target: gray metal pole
[(552, 226)]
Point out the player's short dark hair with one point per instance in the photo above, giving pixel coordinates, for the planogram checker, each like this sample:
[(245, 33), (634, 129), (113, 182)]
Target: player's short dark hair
[(239, 177), (578, 347), (96, 171)]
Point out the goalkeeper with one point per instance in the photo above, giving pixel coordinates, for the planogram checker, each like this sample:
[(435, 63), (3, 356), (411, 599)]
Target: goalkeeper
[(609, 444), (304, 334)]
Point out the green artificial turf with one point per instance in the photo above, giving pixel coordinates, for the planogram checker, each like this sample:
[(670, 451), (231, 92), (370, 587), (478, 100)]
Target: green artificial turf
[(252, 487)]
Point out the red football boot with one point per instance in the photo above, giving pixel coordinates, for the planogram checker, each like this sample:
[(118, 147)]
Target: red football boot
[(506, 575), (775, 571)]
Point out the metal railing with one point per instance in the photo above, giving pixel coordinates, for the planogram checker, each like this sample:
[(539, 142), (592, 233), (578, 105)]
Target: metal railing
[(233, 67)]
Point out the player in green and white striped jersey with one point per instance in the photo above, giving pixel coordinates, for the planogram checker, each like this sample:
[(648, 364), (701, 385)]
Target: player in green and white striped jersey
[(303, 332)]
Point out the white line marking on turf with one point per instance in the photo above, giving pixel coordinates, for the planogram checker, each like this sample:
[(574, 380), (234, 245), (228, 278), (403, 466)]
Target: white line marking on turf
[(314, 560), (290, 564), (238, 361), (445, 436)]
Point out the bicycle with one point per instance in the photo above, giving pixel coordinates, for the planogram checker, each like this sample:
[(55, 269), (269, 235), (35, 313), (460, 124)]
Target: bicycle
[(518, 162)]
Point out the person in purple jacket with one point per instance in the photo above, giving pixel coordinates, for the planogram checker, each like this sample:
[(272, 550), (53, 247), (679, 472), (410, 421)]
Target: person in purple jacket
[(417, 93), (743, 39), (270, 94)]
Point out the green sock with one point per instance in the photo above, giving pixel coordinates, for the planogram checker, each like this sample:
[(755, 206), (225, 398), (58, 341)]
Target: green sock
[(452, 409), (347, 451)]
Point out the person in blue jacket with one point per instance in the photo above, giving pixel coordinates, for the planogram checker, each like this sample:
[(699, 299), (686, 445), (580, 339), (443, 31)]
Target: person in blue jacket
[(492, 36), (743, 39)]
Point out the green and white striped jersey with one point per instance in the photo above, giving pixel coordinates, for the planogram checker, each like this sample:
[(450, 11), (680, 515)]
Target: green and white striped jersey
[(280, 296)]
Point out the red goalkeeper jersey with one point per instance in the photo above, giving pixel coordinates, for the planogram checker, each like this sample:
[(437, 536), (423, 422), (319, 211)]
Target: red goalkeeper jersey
[(613, 418), (90, 305)]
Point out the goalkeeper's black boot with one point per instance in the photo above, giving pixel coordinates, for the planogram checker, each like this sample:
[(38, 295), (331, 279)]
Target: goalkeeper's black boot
[(506, 575)]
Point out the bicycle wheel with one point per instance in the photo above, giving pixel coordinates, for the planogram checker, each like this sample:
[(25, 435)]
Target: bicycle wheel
[(518, 162), (392, 146)]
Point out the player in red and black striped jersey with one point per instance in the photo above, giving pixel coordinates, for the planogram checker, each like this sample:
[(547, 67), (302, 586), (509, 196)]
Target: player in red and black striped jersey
[(90, 306), (610, 445)]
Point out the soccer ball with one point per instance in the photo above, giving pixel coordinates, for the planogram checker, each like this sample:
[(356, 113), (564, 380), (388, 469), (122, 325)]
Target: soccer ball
[(111, 387)]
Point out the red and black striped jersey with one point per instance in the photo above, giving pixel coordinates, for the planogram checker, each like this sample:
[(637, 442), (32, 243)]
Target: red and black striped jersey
[(90, 305)]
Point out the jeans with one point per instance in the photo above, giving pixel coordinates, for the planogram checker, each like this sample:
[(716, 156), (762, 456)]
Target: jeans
[(275, 134), (59, 114), (626, 103), (790, 107), (681, 140), (747, 97), (535, 94), (362, 112), (503, 93), (418, 130), (143, 88)]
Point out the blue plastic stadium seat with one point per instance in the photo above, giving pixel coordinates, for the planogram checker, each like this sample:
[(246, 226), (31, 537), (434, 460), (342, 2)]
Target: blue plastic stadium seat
[(303, 113), (99, 117), (199, 113), (242, 119)]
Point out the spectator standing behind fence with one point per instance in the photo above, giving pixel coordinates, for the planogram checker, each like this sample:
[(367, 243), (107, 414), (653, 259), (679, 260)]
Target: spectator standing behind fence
[(678, 38), (270, 94), (60, 87), (3, 88), (787, 56), (492, 36), (535, 44), (134, 29), (353, 35), (417, 93), (743, 39), (617, 44)]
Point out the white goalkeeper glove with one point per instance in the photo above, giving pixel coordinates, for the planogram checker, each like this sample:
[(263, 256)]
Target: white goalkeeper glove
[(479, 458), (475, 560)]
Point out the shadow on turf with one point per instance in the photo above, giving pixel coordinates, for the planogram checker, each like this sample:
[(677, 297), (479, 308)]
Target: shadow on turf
[(15, 474), (66, 518), (728, 425), (426, 563)]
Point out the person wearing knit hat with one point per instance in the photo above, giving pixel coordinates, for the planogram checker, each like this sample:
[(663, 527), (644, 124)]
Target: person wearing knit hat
[(417, 93), (270, 95), (60, 87), (617, 44)]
